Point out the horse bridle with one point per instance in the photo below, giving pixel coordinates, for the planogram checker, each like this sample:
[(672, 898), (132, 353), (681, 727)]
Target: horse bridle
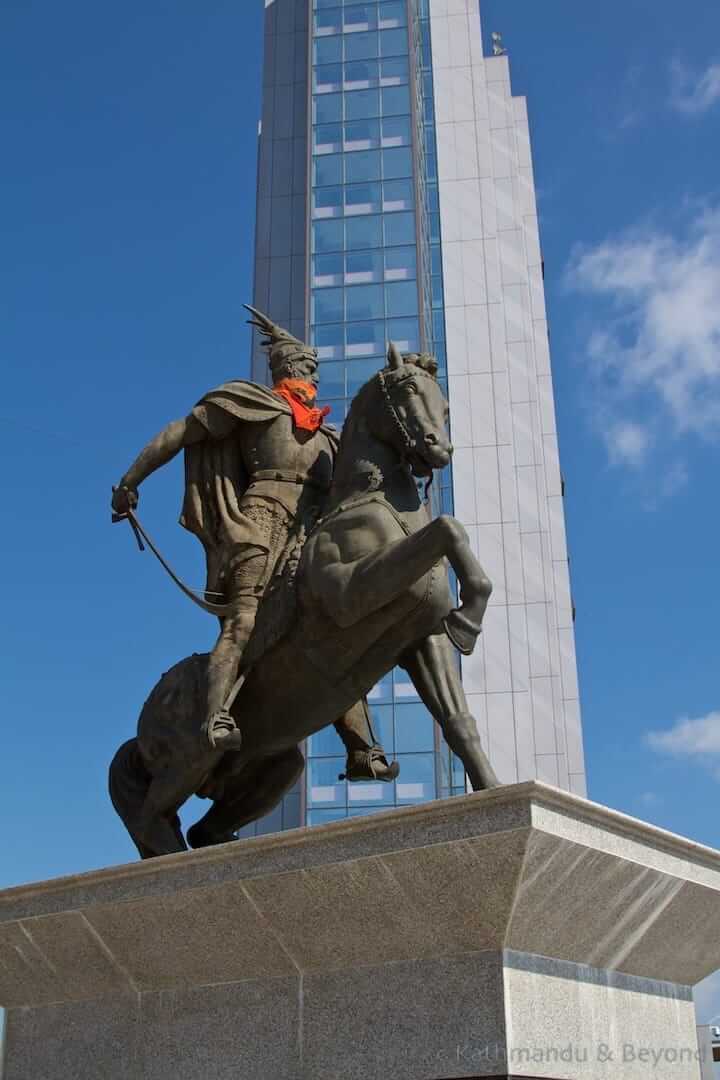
[(409, 442)]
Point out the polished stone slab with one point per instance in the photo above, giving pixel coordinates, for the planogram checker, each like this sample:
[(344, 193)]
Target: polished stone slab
[(512, 933)]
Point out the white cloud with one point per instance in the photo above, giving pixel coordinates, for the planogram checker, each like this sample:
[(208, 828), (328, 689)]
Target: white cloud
[(656, 360), (694, 92), (691, 738)]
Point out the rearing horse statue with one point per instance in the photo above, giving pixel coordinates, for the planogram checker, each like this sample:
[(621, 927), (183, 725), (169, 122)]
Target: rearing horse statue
[(368, 590)]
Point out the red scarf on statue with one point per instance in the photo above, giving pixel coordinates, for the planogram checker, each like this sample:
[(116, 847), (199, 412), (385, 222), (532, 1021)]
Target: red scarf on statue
[(300, 396)]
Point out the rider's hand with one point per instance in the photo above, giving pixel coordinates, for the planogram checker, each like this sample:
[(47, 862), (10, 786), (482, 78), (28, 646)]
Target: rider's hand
[(124, 499)]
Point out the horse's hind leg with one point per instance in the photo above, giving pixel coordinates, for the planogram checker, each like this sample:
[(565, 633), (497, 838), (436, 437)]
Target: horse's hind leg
[(129, 782), (432, 668), (253, 793), (158, 825)]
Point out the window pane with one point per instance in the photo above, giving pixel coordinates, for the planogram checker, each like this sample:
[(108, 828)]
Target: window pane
[(365, 232), (327, 236), (363, 46), (365, 339), (327, 108), (328, 138), (328, 50), (327, 202), (393, 42), (329, 341), (362, 134), (397, 162), (332, 385), (358, 373), (324, 789), (361, 73), (362, 104), (327, 305), (363, 165), (414, 728), (416, 782), (327, 270), (399, 229), (382, 691), (396, 131), (406, 335), (328, 76), (394, 71), (365, 302), (401, 298), (382, 722), (363, 267), (328, 21), (393, 14), (400, 263), (398, 195), (324, 817), (362, 198), (327, 170), (360, 17), (395, 100)]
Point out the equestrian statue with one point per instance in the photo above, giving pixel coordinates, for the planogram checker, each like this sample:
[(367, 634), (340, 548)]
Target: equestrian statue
[(329, 571)]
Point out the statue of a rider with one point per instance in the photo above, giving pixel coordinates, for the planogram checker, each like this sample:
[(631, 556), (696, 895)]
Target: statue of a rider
[(258, 467)]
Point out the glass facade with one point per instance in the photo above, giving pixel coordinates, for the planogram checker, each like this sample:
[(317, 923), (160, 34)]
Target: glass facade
[(375, 238)]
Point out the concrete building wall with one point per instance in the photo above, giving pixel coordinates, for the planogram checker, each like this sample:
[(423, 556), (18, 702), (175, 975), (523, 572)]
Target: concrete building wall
[(522, 680)]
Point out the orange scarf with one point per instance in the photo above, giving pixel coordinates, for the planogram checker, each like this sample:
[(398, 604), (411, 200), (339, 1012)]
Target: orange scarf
[(300, 396)]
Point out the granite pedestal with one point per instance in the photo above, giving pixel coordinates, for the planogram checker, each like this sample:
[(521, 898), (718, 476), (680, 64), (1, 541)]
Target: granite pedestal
[(522, 932)]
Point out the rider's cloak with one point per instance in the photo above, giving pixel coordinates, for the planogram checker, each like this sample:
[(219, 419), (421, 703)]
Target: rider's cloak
[(215, 477)]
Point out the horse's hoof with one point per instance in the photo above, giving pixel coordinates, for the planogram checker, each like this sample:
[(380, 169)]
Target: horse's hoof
[(462, 633), (198, 837)]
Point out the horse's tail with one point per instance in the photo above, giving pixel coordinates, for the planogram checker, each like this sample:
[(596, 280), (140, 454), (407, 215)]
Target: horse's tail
[(128, 783)]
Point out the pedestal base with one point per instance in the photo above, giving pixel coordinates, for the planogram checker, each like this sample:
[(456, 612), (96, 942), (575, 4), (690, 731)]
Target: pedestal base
[(520, 933)]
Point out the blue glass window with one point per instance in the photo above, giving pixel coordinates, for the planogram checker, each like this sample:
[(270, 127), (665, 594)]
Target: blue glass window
[(360, 74), (363, 165), (327, 305), (393, 42), (358, 373), (394, 71), (332, 385), (324, 817), (393, 13), (328, 170), (327, 138), (327, 236), (365, 302), (406, 335), (396, 131), (328, 21), (362, 104), (360, 17), (329, 341), (327, 202), (328, 269), (398, 195), (328, 50), (362, 233), (401, 298), (365, 339), (399, 229), (414, 728), (362, 134), (361, 46), (363, 198), (363, 267), (328, 77), (395, 100), (416, 782), (324, 787), (397, 162), (400, 263), (327, 108)]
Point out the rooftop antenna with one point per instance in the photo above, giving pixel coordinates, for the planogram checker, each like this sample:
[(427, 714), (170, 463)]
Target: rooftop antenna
[(497, 44)]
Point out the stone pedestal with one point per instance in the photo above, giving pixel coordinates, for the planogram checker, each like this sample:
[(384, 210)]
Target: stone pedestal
[(523, 932)]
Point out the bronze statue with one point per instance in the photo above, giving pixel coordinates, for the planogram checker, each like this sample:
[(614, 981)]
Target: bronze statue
[(367, 590), (258, 466)]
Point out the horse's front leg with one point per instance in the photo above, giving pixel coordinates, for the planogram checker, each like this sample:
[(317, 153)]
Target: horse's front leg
[(433, 670)]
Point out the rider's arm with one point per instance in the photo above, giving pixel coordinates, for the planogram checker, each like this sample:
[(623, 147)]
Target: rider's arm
[(163, 448)]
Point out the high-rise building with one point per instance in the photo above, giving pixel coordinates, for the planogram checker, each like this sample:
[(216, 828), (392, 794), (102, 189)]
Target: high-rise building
[(396, 202)]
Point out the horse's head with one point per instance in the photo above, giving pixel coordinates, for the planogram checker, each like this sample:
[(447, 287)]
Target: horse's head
[(413, 413)]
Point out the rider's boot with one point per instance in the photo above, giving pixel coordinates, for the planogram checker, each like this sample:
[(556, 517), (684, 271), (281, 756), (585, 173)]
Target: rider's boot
[(366, 758)]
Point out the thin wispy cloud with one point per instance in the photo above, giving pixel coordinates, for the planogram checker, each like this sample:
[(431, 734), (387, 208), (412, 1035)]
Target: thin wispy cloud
[(654, 358), (694, 92), (692, 739)]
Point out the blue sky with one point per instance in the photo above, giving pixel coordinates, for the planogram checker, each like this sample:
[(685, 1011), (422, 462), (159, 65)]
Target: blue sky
[(127, 205)]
